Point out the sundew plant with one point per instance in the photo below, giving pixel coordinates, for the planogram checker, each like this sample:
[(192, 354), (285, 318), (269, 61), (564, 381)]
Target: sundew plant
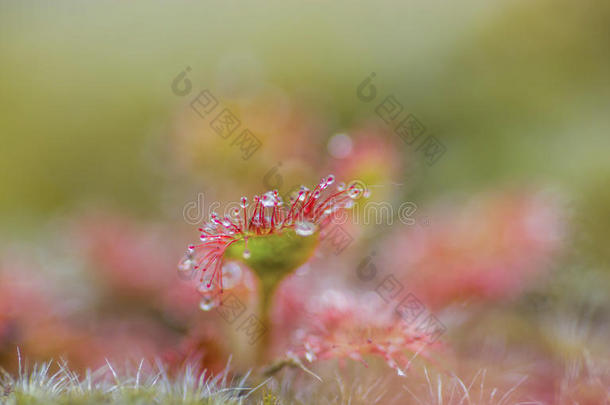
[(284, 202)]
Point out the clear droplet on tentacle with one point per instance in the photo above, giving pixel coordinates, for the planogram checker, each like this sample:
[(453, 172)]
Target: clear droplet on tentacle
[(246, 254), (310, 356), (244, 202), (207, 285), (302, 193), (186, 264), (304, 228), (207, 302), (268, 199), (209, 227), (354, 192), (231, 275)]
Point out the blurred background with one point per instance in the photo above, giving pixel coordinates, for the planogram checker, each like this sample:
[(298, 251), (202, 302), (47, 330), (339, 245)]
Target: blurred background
[(103, 157)]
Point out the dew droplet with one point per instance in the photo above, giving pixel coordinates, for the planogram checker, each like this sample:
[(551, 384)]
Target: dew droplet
[(304, 228), (244, 202), (354, 192), (207, 303), (268, 199), (330, 179), (231, 274), (186, 264), (206, 287), (341, 186), (206, 279), (246, 254), (310, 356)]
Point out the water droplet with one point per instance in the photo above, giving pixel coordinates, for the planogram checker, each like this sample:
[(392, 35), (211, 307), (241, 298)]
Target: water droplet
[(231, 275), (310, 356), (354, 192), (341, 186), (244, 202), (207, 303), (246, 253), (206, 287), (206, 280), (186, 264), (268, 199), (330, 179), (305, 228)]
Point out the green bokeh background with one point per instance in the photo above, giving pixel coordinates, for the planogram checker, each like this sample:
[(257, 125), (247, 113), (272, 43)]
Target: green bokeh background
[(518, 91)]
